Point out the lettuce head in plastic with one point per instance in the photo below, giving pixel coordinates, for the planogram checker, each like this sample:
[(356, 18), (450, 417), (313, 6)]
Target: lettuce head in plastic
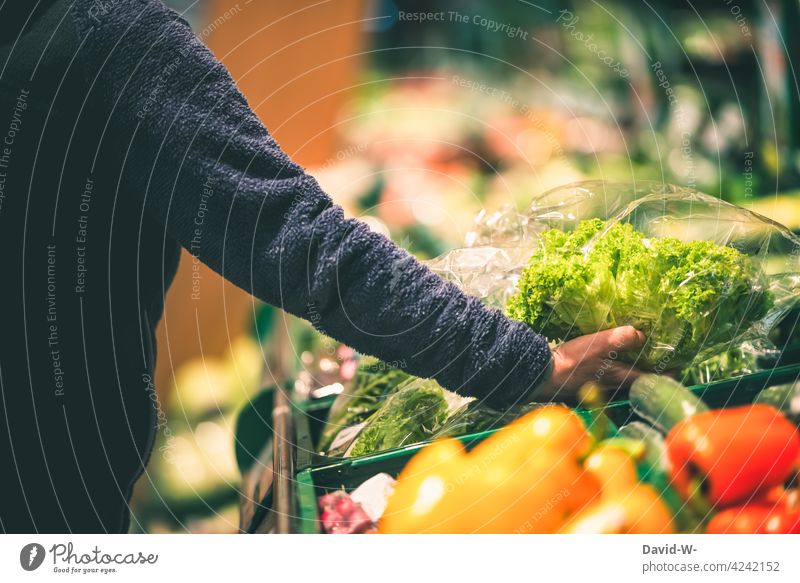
[(687, 269)]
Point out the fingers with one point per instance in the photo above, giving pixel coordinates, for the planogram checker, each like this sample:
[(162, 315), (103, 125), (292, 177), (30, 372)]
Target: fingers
[(603, 346), (609, 343), (593, 358), (625, 338)]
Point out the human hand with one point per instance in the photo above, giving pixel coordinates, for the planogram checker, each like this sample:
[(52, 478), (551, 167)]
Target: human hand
[(592, 358)]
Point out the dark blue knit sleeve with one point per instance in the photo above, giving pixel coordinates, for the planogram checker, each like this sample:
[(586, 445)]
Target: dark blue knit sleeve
[(209, 171)]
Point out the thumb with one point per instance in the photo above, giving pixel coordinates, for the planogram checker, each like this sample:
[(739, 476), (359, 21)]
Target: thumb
[(621, 339)]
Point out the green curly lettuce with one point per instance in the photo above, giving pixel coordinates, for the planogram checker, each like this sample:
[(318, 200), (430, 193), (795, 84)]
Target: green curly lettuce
[(689, 298)]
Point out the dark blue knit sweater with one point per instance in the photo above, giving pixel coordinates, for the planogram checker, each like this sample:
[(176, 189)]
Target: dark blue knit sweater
[(130, 140)]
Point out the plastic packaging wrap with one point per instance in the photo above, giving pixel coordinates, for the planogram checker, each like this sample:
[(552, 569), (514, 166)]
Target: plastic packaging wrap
[(500, 244), (561, 208), (475, 417), (372, 383), (503, 228), (564, 207), (488, 273), (744, 359), (696, 274), (415, 412), (373, 495)]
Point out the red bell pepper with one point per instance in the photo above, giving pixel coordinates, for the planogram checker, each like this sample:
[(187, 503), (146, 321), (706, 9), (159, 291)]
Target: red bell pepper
[(761, 517), (734, 453)]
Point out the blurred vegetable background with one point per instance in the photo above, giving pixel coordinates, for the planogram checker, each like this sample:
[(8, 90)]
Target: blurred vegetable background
[(416, 116)]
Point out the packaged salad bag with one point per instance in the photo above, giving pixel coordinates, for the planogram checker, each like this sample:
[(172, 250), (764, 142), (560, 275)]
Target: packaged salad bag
[(699, 276)]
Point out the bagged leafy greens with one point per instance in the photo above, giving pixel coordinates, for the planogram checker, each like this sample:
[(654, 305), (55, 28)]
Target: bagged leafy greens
[(742, 270), (731, 363), (475, 417), (685, 268), (373, 382), (410, 415), (683, 296), (413, 413)]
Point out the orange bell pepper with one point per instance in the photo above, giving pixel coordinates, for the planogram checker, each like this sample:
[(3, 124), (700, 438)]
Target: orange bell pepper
[(613, 468), (423, 490), (625, 505)]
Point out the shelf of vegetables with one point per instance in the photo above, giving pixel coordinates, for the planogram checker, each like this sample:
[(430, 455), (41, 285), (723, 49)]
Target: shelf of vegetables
[(714, 287), (318, 475)]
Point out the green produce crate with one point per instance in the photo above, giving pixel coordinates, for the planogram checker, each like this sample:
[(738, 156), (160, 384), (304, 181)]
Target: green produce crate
[(309, 419), (310, 416), (316, 477)]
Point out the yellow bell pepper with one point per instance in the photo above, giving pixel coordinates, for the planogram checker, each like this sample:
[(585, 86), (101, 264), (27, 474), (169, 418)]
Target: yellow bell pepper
[(537, 475), (527, 477), (613, 468), (625, 505), (423, 492)]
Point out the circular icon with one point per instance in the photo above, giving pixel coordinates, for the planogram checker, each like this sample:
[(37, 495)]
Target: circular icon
[(31, 556)]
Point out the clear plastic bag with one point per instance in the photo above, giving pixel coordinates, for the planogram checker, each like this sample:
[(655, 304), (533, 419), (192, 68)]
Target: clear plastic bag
[(488, 273), (413, 413), (503, 228), (500, 244), (565, 206), (372, 383), (476, 417), (745, 359), (696, 274)]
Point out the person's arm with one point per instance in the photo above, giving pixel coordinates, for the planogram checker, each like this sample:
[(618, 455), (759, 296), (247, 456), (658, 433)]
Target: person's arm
[(194, 144)]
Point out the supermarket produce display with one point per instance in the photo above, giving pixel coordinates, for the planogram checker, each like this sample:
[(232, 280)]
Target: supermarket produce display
[(547, 476), (708, 282), (635, 479)]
